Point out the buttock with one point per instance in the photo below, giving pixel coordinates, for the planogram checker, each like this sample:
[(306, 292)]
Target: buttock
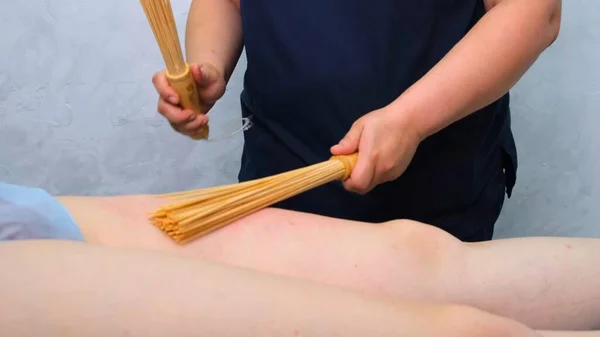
[(32, 214)]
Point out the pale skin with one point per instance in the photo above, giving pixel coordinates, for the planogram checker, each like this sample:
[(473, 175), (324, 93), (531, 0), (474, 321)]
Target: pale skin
[(478, 70), (544, 283), (99, 291)]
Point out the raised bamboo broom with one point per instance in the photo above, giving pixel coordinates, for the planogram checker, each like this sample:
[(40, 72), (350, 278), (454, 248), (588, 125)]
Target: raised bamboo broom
[(198, 212), (160, 16)]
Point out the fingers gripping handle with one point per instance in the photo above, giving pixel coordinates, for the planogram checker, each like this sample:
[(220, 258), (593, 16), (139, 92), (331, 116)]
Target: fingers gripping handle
[(349, 161), (185, 86)]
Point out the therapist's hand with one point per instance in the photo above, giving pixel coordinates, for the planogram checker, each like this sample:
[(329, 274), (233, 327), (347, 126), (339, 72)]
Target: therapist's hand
[(211, 87), (386, 144)]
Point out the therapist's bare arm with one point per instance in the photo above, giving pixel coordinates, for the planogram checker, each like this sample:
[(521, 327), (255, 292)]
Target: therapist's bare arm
[(214, 34), (99, 291), (530, 279), (483, 66)]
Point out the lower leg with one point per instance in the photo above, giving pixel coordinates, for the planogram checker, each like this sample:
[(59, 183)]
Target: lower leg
[(102, 291), (548, 283)]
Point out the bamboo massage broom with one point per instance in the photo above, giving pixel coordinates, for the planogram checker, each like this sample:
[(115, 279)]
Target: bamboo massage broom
[(198, 212), (160, 16)]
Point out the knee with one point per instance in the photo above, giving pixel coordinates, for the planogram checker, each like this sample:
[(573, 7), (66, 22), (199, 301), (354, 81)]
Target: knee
[(430, 243), (429, 259)]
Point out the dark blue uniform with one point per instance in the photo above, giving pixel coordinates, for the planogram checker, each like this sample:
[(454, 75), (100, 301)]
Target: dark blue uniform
[(316, 66)]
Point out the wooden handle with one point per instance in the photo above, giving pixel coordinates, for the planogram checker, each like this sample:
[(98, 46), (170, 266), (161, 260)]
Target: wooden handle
[(349, 162), (185, 86)]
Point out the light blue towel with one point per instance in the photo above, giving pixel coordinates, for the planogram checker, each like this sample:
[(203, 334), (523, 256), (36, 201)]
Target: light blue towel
[(31, 213)]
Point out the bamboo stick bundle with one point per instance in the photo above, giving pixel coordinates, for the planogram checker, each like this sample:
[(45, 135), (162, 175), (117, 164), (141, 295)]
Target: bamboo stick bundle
[(160, 17), (195, 213)]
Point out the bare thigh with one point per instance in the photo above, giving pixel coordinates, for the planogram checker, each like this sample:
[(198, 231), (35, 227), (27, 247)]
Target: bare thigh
[(399, 258)]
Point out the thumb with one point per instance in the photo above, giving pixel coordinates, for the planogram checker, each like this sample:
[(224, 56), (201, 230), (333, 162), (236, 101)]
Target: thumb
[(349, 144), (206, 75), (196, 74), (363, 174)]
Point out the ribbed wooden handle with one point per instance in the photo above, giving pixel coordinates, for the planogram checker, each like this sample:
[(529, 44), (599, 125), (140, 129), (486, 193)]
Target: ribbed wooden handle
[(349, 162), (185, 86)]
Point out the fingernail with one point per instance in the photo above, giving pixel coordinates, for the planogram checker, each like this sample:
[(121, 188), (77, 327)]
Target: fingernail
[(173, 100), (192, 118)]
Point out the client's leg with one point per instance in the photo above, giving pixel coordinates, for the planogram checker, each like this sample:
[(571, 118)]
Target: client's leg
[(100, 291), (548, 282), (381, 258), (400, 259)]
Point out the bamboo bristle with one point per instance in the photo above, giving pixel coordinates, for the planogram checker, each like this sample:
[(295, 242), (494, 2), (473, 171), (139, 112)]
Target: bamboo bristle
[(179, 74), (198, 212), (162, 21)]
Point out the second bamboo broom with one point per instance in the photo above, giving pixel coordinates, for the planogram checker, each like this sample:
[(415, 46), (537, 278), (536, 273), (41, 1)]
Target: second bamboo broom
[(198, 212), (160, 17)]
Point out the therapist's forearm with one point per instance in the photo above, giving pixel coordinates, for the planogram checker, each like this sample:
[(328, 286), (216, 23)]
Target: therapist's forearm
[(214, 34), (483, 66)]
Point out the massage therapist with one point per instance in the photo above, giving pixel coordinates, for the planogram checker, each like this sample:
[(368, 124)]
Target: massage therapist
[(418, 87)]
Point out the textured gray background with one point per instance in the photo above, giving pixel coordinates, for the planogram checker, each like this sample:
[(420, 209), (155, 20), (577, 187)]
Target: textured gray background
[(78, 114)]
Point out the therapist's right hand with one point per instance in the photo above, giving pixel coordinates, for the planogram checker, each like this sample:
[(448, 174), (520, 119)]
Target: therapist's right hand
[(211, 87)]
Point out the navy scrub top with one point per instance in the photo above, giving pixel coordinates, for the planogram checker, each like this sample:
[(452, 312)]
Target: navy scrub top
[(316, 66)]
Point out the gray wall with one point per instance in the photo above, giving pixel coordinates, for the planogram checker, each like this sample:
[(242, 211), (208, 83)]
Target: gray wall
[(77, 114)]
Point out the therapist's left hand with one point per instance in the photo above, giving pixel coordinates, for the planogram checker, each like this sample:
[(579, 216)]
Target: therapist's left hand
[(386, 143)]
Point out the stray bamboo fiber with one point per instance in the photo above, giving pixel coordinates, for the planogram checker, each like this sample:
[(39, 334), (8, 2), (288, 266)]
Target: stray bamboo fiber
[(198, 212), (160, 16)]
